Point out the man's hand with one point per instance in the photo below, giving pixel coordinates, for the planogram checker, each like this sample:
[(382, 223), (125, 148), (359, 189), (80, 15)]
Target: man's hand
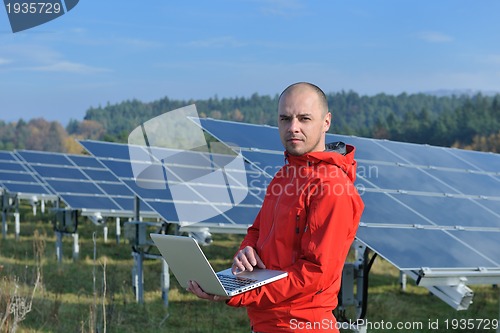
[(194, 288), (246, 259)]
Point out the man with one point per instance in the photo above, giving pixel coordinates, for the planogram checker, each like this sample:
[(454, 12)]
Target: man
[(306, 225)]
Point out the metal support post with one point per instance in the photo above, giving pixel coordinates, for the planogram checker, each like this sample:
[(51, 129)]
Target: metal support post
[(42, 206), (136, 232), (34, 203), (361, 261), (137, 208), (105, 233), (137, 272), (165, 281), (138, 277), (118, 230), (402, 280), (347, 288), (76, 246), (360, 328), (4, 205), (4, 224), (355, 273), (17, 224), (59, 236)]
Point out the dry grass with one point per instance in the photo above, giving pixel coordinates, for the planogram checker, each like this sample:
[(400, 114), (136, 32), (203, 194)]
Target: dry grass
[(95, 293)]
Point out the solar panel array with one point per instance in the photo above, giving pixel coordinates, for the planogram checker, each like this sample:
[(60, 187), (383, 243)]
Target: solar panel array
[(116, 157), (17, 180), (82, 183), (426, 206)]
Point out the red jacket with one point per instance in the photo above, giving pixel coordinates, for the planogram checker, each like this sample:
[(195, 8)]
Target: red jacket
[(306, 226)]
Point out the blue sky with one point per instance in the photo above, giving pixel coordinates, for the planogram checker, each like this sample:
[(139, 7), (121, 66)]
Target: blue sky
[(110, 51)]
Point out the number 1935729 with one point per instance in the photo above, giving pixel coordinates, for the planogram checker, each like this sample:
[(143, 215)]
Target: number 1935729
[(33, 8)]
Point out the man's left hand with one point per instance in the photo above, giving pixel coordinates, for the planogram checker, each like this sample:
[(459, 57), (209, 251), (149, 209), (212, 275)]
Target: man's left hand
[(194, 288)]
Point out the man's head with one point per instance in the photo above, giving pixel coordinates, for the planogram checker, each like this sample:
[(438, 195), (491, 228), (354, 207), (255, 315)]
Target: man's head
[(303, 118)]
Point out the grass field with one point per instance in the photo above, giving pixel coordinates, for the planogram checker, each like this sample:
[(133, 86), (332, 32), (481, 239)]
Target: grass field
[(95, 295)]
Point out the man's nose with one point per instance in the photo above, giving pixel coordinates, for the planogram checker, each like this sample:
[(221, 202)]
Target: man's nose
[(294, 125)]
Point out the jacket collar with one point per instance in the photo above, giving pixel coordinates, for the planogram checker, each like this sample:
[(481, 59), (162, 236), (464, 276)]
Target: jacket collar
[(337, 153)]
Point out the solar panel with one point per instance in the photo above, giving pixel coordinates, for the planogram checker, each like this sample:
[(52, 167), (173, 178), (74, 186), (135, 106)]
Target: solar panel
[(489, 241), (11, 166), (18, 180), (423, 155), (426, 206), (6, 156), (488, 162), (82, 183), (402, 178), (443, 211), (414, 248), (255, 136), (166, 194)]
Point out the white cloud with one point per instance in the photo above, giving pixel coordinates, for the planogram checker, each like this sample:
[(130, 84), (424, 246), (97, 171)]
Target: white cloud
[(217, 42), (40, 58), (79, 30), (29, 53), (393, 83), (138, 43), (491, 59), (67, 67), (434, 37), (284, 8)]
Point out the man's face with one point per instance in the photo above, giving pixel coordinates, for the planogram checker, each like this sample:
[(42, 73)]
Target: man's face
[(301, 122)]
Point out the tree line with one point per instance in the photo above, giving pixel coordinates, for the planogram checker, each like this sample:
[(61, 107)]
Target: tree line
[(40, 134), (466, 121)]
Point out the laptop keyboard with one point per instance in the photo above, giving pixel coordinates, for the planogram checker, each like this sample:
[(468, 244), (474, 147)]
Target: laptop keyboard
[(233, 282)]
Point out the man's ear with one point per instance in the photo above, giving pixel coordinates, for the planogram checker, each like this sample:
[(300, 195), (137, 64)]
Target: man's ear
[(327, 122)]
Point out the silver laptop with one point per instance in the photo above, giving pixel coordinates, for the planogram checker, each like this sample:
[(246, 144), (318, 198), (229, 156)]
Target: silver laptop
[(187, 261)]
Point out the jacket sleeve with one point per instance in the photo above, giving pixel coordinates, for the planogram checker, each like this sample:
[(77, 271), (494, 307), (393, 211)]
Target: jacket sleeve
[(252, 234), (331, 227)]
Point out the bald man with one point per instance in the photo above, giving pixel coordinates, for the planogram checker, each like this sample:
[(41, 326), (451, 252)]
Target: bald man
[(306, 224)]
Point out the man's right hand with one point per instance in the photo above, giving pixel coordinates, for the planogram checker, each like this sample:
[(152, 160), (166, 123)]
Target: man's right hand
[(246, 259)]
